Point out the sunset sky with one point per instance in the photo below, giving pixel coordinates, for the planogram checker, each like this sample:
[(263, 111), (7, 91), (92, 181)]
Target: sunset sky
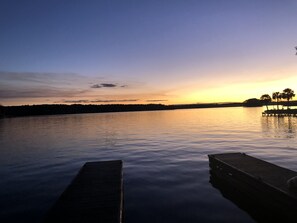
[(153, 51)]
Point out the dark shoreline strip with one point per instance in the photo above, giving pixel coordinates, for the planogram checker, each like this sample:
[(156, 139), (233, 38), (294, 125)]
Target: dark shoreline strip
[(95, 195), (53, 109)]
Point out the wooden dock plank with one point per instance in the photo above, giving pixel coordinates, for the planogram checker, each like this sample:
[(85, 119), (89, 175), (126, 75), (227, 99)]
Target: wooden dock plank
[(258, 186), (95, 195), (268, 173)]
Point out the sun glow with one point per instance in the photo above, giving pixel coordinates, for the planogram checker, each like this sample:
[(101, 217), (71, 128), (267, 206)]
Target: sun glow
[(237, 92)]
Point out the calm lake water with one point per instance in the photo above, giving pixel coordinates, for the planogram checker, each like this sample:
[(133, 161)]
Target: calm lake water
[(166, 173)]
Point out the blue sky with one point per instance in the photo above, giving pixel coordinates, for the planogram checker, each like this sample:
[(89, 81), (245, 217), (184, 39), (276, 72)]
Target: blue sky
[(168, 51)]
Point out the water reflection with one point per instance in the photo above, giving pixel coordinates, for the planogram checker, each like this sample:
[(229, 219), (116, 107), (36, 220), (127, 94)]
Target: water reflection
[(278, 127), (165, 156)]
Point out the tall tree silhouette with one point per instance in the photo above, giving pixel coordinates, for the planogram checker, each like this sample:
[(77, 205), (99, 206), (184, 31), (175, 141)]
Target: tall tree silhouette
[(277, 96), (265, 98), (288, 94)]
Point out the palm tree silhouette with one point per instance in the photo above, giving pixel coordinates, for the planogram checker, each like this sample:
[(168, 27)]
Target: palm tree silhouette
[(288, 94), (277, 96), (265, 98)]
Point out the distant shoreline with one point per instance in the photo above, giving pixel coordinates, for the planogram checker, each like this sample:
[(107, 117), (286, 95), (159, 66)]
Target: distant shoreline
[(59, 109), (53, 109)]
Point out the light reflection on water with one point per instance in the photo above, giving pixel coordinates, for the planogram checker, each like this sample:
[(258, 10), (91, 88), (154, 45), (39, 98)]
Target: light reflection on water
[(279, 126), (166, 173)]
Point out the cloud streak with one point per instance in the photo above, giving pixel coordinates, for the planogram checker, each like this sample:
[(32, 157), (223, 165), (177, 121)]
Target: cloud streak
[(107, 85), (40, 78), (76, 101), (96, 86), (22, 85), (100, 101), (156, 100), (115, 100), (37, 87), (39, 93)]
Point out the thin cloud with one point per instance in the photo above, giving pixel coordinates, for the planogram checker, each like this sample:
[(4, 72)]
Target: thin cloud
[(38, 78), (112, 101), (96, 86), (108, 85), (76, 101), (98, 101), (41, 85), (157, 100), (39, 93), (104, 85)]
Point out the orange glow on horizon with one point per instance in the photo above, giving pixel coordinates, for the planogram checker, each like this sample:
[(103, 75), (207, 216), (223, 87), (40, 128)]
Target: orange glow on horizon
[(207, 91)]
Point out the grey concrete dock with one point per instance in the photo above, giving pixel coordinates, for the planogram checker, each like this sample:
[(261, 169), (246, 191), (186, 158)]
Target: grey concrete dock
[(95, 195)]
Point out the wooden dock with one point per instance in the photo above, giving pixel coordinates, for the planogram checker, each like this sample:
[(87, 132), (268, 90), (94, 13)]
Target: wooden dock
[(280, 113), (95, 195), (260, 185)]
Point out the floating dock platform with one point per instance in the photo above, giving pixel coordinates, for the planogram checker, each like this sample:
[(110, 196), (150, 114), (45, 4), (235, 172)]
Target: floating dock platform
[(95, 195), (256, 186)]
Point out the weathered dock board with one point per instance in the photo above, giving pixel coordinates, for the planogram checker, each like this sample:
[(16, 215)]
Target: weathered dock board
[(95, 195), (263, 184)]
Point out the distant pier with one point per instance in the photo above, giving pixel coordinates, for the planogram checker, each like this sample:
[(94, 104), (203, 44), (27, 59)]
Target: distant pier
[(280, 113), (95, 195), (259, 187)]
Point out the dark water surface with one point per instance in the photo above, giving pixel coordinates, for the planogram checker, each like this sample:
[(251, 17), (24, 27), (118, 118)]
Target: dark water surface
[(166, 173)]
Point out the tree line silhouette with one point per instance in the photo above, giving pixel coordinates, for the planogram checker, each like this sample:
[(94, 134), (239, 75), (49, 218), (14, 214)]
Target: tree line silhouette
[(54, 109)]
